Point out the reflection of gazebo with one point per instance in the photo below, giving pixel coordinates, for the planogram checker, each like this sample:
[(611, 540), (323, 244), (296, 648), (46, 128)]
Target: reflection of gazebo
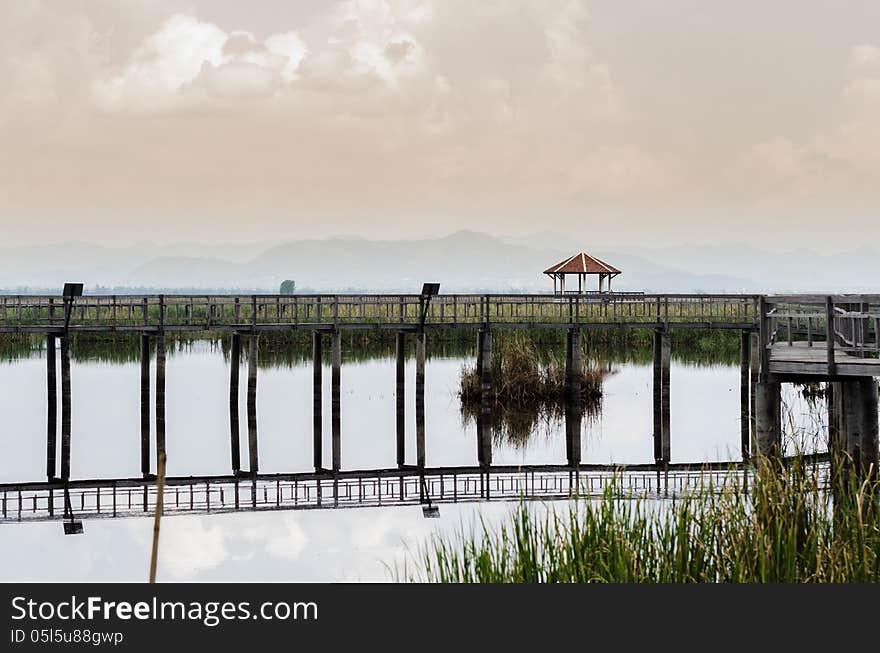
[(581, 265)]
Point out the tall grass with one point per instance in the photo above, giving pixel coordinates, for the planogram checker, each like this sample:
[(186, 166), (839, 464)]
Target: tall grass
[(787, 528)]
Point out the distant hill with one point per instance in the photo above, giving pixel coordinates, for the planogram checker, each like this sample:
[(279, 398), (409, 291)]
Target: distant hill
[(465, 261)]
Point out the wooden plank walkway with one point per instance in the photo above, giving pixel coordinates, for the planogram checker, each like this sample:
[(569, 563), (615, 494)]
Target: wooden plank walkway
[(800, 358)]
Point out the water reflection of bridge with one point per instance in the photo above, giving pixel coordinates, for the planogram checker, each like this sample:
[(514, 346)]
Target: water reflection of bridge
[(131, 497)]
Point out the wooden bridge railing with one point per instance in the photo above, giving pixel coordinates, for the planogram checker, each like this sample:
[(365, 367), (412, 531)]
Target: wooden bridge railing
[(847, 324), (177, 312)]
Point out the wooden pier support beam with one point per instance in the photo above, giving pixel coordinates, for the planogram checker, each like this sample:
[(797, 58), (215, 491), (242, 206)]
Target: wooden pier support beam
[(51, 408), (160, 397), (317, 401), (768, 405), (870, 440), (400, 396), (484, 363), (253, 350), (662, 361), (754, 373), (234, 373), (420, 399), (335, 395), (484, 420), (65, 408), (145, 405), (744, 394), (836, 436), (574, 364), (858, 424)]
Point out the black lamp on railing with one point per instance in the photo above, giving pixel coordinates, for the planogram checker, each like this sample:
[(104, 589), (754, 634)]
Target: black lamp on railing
[(71, 290), (429, 290)]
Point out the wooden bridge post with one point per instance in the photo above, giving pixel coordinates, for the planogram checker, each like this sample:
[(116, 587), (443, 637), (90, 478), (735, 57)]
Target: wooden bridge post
[(420, 400), (763, 340), (484, 421), (400, 396), (744, 394), (574, 364), (870, 427), (484, 362), (234, 372), (662, 361), (317, 401), (830, 335), (768, 419), (836, 434), (335, 395), (859, 424), (754, 374), (160, 397), (51, 408), (253, 350), (65, 407), (145, 405)]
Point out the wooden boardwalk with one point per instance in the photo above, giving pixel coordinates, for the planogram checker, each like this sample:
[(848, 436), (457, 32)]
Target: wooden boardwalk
[(785, 338), (256, 313), (802, 359)]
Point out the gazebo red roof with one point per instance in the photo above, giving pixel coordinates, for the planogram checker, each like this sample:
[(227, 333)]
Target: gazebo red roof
[(582, 263)]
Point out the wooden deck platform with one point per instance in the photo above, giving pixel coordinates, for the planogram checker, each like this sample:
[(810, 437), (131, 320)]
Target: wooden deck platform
[(801, 359)]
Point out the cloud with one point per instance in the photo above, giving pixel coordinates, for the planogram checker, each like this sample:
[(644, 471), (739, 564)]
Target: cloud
[(839, 162)]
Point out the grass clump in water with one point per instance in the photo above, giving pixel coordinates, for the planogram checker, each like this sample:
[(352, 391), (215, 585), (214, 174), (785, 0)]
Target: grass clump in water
[(522, 377)]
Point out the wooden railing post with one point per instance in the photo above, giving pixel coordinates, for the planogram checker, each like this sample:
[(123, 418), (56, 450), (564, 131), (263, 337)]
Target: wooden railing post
[(829, 333), (764, 339)]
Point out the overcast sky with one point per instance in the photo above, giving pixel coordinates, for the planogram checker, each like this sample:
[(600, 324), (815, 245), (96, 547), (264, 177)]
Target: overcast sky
[(647, 121)]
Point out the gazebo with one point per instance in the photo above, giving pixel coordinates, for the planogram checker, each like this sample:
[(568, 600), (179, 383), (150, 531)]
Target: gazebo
[(581, 265)]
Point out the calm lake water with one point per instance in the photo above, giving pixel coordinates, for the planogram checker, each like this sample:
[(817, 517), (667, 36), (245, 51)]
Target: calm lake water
[(326, 544)]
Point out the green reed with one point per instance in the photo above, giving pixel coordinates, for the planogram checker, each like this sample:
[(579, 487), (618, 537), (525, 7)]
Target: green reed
[(791, 525)]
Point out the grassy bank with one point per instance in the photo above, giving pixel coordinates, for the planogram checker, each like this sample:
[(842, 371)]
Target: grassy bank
[(285, 348), (787, 528)]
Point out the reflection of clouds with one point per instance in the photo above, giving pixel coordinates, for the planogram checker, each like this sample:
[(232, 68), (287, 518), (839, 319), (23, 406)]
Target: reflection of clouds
[(190, 545)]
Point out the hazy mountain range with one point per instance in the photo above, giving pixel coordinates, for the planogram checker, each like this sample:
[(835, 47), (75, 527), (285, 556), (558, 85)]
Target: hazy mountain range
[(462, 261)]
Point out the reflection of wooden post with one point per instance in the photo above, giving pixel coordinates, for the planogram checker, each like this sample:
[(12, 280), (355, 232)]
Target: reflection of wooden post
[(234, 371), (65, 408), (744, 386), (420, 399), (253, 345), (400, 396), (573, 426), (51, 408), (335, 396), (145, 404), (317, 401), (160, 396)]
